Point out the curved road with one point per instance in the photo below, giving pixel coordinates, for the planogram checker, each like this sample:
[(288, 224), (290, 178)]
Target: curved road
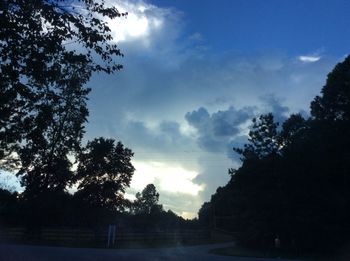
[(39, 253)]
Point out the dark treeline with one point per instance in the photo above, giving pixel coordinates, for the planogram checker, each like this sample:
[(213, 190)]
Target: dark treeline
[(294, 179), (68, 210)]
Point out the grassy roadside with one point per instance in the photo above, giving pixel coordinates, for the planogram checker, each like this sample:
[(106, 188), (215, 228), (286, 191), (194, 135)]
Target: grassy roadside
[(160, 244), (236, 250)]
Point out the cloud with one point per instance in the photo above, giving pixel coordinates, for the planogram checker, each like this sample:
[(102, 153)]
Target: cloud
[(275, 105), (190, 116), (185, 205), (174, 179), (142, 20), (149, 29), (215, 131), (196, 37), (309, 58), (183, 105), (221, 131), (155, 138)]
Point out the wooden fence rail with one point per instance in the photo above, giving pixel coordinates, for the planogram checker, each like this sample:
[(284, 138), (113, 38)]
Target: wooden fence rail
[(68, 236)]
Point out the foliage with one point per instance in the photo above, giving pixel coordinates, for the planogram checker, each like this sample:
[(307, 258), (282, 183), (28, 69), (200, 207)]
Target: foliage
[(8, 205), (263, 139), (334, 104), (104, 172), (52, 134), (147, 201), (48, 51), (205, 215), (294, 181)]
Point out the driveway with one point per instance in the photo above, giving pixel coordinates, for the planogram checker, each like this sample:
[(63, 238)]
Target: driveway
[(39, 253)]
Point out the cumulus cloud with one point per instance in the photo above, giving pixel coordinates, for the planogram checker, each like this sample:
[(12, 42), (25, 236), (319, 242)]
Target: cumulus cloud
[(142, 19), (184, 116), (172, 104), (215, 131), (149, 29), (221, 131)]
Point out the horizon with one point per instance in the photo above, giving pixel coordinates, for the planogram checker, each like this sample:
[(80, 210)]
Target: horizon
[(194, 78)]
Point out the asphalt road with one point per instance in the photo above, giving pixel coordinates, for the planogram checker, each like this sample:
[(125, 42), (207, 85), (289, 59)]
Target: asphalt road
[(39, 253)]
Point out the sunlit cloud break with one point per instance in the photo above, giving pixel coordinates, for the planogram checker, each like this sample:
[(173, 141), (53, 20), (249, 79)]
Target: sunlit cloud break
[(309, 58), (141, 20), (175, 179)]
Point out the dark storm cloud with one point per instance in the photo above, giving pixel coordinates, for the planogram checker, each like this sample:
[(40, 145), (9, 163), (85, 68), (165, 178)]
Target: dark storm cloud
[(162, 138), (220, 132), (216, 130)]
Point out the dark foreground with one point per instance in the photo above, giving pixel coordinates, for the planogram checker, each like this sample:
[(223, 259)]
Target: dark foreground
[(38, 253)]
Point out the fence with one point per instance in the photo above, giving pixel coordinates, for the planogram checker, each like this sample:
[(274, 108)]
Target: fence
[(97, 237)]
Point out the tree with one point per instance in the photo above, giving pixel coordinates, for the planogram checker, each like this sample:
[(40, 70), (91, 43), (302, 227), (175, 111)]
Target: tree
[(104, 172), (263, 138), (48, 51), (147, 201), (52, 133), (254, 203), (294, 131), (334, 104), (206, 215), (294, 181), (8, 207)]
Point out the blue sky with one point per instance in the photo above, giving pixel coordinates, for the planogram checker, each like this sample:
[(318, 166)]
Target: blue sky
[(292, 26), (196, 73)]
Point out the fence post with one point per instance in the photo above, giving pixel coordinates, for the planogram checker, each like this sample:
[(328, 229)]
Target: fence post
[(111, 235)]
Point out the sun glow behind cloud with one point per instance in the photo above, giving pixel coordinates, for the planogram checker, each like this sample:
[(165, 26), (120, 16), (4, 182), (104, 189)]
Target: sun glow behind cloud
[(138, 24), (175, 179)]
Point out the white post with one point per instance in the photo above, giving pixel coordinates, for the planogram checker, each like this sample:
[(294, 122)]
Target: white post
[(109, 235), (113, 234)]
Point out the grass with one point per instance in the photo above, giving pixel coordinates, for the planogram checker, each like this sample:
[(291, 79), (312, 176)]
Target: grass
[(237, 250), (241, 251), (129, 244), (159, 244)]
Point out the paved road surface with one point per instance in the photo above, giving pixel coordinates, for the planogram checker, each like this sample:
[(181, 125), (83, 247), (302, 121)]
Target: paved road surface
[(40, 253)]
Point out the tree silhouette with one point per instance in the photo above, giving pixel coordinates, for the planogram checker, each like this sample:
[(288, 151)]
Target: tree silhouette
[(294, 181), (263, 138), (147, 201), (52, 132), (47, 54), (293, 131), (334, 104), (104, 172)]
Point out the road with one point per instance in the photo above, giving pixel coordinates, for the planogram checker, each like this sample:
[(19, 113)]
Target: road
[(39, 253)]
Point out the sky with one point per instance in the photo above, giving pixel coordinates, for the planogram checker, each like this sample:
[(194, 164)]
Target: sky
[(195, 74)]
